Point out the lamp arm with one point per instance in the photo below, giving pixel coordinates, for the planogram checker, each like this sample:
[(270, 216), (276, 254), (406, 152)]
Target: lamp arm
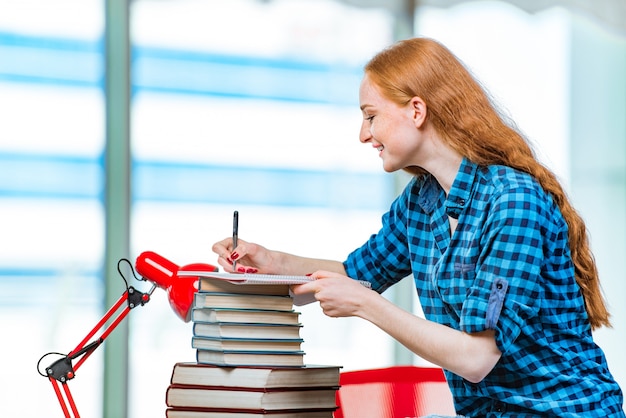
[(152, 267), (62, 370)]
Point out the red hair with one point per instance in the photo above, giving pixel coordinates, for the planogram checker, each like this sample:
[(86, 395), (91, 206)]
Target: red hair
[(466, 119)]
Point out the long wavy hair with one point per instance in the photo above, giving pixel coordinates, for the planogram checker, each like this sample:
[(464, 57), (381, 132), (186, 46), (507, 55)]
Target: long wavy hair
[(467, 120)]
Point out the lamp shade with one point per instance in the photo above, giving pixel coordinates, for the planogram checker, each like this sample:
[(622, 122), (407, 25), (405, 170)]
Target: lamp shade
[(164, 273)]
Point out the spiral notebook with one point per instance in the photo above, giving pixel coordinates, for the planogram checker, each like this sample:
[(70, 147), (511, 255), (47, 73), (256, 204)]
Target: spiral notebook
[(248, 278)]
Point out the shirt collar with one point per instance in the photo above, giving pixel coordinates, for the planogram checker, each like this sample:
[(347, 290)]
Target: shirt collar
[(431, 192), (461, 189)]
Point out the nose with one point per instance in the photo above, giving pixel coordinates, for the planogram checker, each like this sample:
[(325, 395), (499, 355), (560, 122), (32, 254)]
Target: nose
[(365, 135)]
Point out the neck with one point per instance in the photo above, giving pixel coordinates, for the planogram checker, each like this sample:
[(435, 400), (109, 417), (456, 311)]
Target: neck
[(446, 174), (443, 163)]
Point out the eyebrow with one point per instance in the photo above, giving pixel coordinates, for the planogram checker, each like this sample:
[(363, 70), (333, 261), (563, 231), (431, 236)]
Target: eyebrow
[(362, 107)]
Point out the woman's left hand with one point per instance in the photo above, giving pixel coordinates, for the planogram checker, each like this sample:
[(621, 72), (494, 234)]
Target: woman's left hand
[(338, 295)]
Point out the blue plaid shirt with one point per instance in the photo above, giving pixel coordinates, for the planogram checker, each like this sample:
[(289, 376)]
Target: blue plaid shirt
[(507, 267)]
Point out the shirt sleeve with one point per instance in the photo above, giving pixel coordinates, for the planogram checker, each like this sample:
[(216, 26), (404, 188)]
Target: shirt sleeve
[(507, 288), (384, 259)]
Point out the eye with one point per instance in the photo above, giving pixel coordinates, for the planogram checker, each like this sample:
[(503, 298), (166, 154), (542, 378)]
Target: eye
[(370, 119)]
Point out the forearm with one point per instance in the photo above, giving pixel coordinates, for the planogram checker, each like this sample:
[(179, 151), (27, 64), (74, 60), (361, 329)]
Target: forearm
[(471, 356), (285, 263)]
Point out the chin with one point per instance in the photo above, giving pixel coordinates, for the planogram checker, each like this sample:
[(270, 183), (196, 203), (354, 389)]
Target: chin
[(389, 168)]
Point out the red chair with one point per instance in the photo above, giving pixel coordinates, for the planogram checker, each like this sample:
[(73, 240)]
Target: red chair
[(393, 392)]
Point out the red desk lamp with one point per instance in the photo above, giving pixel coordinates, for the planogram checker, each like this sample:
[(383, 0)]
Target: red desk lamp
[(153, 268)]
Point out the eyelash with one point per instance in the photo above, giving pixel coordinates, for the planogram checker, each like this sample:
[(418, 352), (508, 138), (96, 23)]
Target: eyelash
[(370, 119)]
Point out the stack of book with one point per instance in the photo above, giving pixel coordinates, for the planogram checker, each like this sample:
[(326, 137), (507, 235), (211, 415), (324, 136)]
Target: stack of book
[(245, 324), (209, 391), (249, 360)]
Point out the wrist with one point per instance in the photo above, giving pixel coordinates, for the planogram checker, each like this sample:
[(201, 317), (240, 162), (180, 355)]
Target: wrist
[(277, 262), (370, 304)]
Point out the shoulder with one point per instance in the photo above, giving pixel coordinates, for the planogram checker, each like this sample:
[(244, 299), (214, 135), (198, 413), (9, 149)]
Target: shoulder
[(502, 178), (502, 182), (513, 193)]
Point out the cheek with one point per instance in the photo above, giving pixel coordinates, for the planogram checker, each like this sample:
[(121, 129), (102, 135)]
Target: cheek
[(377, 129)]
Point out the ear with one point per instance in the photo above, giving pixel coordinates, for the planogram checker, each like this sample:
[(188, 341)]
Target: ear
[(418, 111)]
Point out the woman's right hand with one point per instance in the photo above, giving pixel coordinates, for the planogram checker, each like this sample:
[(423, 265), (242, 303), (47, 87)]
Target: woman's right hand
[(250, 257)]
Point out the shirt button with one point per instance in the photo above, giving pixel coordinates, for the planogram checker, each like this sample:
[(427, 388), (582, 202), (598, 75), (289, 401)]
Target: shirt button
[(498, 407)]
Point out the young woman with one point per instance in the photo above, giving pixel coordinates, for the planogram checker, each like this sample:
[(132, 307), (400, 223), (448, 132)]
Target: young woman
[(500, 259)]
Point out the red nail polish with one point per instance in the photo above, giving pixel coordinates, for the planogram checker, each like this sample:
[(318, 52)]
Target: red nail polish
[(310, 274), (251, 270), (229, 260), (241, 269), (234, 256)]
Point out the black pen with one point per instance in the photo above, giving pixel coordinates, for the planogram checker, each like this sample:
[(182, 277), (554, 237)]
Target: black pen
[(235, 234)]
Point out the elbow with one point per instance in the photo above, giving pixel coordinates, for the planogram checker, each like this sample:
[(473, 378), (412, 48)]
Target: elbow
[(480, 368), (477, 375), (484, 358)]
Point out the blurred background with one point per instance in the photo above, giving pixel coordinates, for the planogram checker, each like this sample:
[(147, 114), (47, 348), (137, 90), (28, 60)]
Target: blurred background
[(127, 127)]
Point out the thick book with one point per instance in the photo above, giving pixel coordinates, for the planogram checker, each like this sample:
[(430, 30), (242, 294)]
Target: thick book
[(246, 330), (235, 358), (245, 315), (248, 398), (246, 344), (242, 301), (311, 375), (239, 413), (212, 284)]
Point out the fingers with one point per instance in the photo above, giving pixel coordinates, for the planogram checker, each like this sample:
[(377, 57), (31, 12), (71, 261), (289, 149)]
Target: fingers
[(227, 255), (303, 289), (223, 248), (323, 274), (314, 286), (225, 252), (318, 290)]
